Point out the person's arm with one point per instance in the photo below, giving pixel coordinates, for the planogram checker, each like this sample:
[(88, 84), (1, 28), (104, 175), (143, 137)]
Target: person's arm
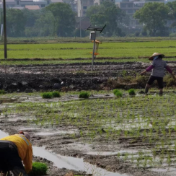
[(148, 69), (170, 71), (28, 160)]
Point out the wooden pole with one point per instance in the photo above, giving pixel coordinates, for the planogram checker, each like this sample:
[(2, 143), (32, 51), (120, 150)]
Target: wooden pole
[(93, 54), (4, 25)]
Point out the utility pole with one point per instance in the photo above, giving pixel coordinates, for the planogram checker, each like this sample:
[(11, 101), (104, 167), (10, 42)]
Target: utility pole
[(80, 18), (93, 53), (4, 25)]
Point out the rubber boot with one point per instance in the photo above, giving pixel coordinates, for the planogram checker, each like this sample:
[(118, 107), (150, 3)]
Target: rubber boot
[(160, 93)]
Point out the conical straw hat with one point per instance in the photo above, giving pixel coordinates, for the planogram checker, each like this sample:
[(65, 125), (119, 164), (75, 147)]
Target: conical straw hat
[(155, 54)]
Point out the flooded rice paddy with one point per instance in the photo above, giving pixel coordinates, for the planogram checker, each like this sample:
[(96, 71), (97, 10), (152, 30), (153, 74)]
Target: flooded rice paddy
[(69, 163), (114, 136)]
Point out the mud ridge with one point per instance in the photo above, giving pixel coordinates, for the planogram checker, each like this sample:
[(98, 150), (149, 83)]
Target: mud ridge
[(78, 76)]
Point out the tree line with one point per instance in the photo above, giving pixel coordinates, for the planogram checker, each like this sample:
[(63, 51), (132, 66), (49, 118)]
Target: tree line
[(157, 18), (58, 19), (54, 20)]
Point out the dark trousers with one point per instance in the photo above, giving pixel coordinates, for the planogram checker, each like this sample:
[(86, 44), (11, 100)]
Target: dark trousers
[(159, 80), (10, 160)]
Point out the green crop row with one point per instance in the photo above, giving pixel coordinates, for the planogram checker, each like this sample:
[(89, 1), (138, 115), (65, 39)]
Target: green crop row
[(82, 50)]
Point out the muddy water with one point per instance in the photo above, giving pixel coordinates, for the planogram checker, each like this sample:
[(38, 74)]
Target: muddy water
[(69, 162), (170, 171), (102, 153), (57, 132), (72, 163), (131, 151), (3, 134)]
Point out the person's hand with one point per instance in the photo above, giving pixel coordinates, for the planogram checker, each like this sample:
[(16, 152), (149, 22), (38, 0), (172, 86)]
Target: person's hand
[(69, 174), (143, 72), (174, 77)]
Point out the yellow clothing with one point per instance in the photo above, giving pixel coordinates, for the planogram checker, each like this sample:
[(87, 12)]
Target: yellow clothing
[(24, 149)]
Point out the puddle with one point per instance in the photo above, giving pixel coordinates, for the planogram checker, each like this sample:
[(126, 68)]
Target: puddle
[(172, 123), (130, 126), (102, 153), (130, 151), (15, 118), (170, 171), (63, 98), (83, 147), (3, 134), (72, 163), (69, 162), (57, 132), (28, 129)]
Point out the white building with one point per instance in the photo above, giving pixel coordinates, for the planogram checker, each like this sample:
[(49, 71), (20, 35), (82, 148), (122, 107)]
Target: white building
[(83, 5), (130, 7), (22, 4), (78, 6), (36, 4), (98, 2), (72, 3)]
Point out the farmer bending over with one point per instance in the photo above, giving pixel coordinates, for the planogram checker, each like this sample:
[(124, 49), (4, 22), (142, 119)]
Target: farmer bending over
[(13, 150), (158, 71)]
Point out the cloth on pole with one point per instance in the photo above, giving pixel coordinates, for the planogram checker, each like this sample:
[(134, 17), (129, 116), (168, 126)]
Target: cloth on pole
[(1, 30)]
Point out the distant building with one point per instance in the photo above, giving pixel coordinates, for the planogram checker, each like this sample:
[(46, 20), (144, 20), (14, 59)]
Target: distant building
[(28, 4), (55, 1), (83, 5), (166, 1), (36, 4), (130, 7), (32, 7), (78, 6), (72, 3), (98, 2), (10, 3)]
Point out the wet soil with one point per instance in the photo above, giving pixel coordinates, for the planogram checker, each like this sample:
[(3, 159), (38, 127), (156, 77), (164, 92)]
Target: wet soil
[(76, 76), (59, 140), (66, 146), (55, 171)]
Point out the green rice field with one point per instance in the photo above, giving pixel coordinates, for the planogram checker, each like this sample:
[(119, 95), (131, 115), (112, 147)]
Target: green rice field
[(82, 50)]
